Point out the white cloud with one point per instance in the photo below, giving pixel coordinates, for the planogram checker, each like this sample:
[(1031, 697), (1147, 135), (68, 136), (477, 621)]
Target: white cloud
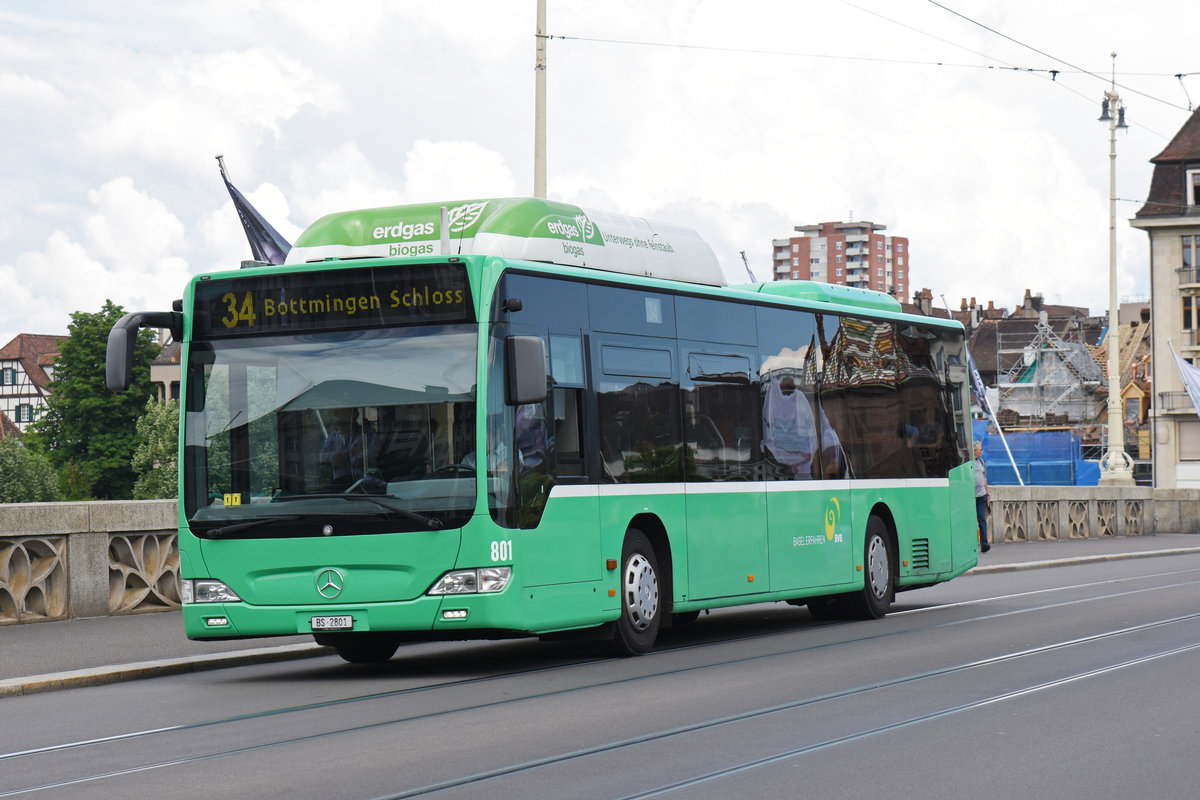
[(455, 170), (793, 114), (129, 250), (180, 110)]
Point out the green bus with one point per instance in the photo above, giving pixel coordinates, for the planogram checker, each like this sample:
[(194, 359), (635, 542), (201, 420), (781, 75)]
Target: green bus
[(515, 417)]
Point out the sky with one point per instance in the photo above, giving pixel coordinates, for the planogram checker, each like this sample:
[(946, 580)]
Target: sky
[(739, 118)]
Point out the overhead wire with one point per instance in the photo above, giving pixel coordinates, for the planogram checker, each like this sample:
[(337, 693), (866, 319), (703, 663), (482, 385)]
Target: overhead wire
[(795, 54), (1048, 73), (1056, 58), (1001, 65)]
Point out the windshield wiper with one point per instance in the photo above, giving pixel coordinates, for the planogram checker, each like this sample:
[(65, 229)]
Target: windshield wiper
[(225, 530), (429, 522)]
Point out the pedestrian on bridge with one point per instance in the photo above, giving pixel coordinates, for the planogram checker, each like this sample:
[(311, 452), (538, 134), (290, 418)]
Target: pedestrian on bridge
[(981, 497)]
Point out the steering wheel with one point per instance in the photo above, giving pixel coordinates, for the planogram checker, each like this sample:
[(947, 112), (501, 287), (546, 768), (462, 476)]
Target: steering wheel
[(454, 469), (356, 485)]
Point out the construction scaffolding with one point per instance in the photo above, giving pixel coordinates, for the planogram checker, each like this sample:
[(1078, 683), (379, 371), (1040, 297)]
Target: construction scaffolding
[(1049, 380)]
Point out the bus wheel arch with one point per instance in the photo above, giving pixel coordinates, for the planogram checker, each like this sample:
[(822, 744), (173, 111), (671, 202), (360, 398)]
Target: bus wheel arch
[(884, 514), (656, 532), (643, 590), (880, 565)]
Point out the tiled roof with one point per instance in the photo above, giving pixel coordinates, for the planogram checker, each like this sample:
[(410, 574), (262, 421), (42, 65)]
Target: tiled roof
[(169, 354), (1166, 197), (35, 352), (8, 428), (914, 308)]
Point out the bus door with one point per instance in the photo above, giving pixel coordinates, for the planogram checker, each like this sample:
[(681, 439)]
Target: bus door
[(726, 507), (808, 494), (804, 458), (559, 503)]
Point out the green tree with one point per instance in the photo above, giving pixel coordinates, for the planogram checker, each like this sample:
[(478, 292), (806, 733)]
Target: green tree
[(87, 431), (156, 456), (25, 477)]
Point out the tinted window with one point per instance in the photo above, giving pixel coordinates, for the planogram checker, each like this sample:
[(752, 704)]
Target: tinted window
[(637, 399), (886, 396), (546, 302), (631, 311), (635, 361), (715, 321), (797, 440), (721, 417)]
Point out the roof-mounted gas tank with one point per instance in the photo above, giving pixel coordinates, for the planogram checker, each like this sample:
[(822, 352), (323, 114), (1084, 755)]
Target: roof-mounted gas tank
[(522, 228)]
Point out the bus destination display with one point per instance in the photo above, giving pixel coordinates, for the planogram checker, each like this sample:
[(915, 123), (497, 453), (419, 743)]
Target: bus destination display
[(334, 300)]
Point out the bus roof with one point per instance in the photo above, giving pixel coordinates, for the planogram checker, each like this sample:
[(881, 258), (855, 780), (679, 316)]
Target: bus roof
[(829, 293), (525, 228)]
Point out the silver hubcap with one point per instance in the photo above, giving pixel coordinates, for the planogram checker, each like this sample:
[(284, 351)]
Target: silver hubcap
[(878, 567), (641, 591)]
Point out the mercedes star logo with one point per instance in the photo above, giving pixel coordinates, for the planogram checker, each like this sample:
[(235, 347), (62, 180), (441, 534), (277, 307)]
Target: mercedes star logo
[(330, 583)]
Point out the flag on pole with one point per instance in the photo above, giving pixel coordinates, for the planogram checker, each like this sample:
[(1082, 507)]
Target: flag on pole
[(1191, 377), (977, 385), (265, 242)]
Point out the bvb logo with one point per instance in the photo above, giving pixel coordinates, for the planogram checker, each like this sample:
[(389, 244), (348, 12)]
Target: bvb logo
[(833, 512)]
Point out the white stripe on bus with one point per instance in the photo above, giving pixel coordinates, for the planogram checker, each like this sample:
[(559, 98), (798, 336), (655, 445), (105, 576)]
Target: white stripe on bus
[(741, 487)]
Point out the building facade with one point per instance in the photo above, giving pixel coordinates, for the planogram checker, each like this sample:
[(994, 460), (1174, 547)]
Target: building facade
[(26, 369), (1171, 218), (849, 253)]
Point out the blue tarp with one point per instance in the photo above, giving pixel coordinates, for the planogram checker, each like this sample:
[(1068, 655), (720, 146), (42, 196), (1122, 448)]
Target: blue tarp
[(1044, 458)]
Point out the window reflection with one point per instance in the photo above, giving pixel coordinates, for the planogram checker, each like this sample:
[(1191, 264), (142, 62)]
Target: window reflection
[(272, 422)]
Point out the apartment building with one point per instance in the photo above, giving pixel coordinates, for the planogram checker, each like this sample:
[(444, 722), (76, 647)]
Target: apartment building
[(1171, 218), (850, 253)]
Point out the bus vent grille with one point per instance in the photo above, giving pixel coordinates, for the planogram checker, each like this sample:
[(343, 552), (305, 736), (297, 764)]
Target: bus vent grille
[(920, 554)]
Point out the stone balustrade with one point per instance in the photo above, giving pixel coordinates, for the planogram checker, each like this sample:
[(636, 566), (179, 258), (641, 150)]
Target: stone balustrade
[(1045, 513), (61, 560)]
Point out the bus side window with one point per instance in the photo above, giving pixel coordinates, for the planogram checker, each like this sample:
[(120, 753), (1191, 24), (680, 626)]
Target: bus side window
[(566, 369), (568, 439)]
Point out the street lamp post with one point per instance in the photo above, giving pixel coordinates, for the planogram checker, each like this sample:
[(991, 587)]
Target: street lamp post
[(1115, 466)]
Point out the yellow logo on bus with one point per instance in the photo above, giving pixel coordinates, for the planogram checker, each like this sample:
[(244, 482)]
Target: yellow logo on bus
[(833, 512)]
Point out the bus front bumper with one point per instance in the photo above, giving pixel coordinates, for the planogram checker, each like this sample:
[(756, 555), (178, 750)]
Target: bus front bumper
[(438, 616)]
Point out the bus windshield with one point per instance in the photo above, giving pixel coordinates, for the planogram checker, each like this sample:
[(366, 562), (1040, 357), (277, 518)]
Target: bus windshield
[(331, 433)]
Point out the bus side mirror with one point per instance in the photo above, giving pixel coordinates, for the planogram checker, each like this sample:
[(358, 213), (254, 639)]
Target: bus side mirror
[(118, 360), (525, 370)]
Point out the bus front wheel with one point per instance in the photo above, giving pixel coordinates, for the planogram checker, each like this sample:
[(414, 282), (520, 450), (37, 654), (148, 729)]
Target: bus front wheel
[(361, 648), (641, 601)]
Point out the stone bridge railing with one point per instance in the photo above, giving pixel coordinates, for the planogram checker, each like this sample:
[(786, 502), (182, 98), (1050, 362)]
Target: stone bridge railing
[(61, 560), (1045, 513)]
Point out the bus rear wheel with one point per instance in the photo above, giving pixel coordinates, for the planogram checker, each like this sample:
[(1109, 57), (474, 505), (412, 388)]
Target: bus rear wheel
[(879, 581), (641, 600), (361, 648)]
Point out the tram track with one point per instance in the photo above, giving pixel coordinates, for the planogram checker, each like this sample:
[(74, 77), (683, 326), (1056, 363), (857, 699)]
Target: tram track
[(377, 696), (183, 729)]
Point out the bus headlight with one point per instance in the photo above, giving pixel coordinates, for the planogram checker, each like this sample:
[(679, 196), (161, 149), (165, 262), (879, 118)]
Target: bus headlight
[(473, 581), (206, 591)]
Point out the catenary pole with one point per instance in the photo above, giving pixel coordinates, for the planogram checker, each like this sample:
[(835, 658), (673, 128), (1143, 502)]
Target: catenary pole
[(539, 106)]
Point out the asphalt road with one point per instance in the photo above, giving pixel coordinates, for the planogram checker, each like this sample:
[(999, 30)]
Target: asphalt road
[(1066, 682)]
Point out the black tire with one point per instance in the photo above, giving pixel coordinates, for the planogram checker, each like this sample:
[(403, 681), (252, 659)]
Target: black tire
[(641, 601), (361, 648), (879, 578)]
